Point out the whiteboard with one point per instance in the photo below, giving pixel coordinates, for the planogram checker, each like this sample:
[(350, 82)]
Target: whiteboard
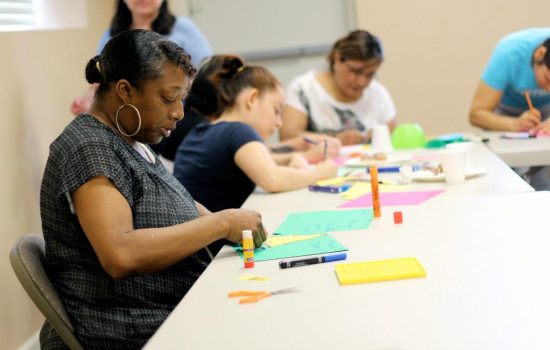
[(252, 26)]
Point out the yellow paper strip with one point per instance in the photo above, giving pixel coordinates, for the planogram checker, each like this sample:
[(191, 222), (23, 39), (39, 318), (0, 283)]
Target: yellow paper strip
[(274, 240), (253, 278), (361, 188), (335, 181)]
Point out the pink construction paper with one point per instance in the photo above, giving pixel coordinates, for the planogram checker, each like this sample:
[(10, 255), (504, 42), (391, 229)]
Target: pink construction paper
[(392, 198), (340, 160)]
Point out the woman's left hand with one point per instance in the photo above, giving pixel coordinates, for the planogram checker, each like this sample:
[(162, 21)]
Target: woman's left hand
[(318, 153), (543, 127)]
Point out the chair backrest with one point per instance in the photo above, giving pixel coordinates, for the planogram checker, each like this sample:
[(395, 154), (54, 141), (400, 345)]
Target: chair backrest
[(27, 258)]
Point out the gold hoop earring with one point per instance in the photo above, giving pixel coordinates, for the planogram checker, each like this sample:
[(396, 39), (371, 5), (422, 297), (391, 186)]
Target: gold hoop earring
[(118, 125)]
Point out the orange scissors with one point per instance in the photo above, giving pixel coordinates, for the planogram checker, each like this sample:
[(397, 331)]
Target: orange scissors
[(252, 296)]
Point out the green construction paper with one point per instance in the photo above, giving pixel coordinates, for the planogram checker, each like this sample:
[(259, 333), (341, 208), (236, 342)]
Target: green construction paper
[(307, 223), (318, 245)]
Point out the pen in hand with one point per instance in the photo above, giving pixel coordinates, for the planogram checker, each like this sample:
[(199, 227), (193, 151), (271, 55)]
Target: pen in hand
[(534, 129), (310, 141), (528, 99), (313, 142)]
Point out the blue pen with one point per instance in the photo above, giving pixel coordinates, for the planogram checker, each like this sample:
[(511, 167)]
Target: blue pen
[(310, 141), (395, 169), (283, 264)]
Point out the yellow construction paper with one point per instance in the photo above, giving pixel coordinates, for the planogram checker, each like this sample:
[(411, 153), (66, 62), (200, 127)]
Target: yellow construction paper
[(361, 188), (274, 241), (377, 271), (335, 181)]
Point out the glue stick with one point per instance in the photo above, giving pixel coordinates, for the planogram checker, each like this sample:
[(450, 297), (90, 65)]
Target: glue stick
[(248, 249)]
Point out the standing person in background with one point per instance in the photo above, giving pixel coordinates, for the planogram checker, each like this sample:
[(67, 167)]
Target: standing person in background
[(519, 65), (149, 15), (202, 106), (124, 239), (222, 162), (346, 101)]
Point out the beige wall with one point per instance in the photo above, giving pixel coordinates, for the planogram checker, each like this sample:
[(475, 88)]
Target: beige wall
[(436, 51), (41, 73)]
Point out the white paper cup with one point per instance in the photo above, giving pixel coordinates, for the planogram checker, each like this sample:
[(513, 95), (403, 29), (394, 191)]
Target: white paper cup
[(381, 140), (465, 146), (454, 165)]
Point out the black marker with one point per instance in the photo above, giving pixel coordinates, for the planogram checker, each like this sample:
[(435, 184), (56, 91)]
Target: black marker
[(283, 264)]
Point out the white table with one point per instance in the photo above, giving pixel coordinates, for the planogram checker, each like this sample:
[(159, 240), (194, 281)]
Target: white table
[(485, 255), (519, 152), (487, 287), (498, 179)]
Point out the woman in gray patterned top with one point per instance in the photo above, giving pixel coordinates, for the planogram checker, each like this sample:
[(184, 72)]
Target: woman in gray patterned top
[(124, 239)]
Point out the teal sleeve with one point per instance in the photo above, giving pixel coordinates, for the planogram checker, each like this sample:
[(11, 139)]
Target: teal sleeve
[(498, 71)]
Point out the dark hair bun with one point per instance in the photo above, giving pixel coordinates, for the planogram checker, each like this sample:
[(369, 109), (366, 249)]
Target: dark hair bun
[(93, 75), (231, 66)]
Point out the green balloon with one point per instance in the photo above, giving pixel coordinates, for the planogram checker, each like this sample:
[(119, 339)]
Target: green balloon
[(408, 136)]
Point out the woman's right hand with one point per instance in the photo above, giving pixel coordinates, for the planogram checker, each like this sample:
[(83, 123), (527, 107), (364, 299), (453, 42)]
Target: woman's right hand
[(528, 120), (244, 219), (298, 161), (351, 137)]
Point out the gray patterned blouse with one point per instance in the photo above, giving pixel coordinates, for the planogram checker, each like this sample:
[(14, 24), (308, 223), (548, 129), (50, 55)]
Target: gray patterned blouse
[(110, 313)]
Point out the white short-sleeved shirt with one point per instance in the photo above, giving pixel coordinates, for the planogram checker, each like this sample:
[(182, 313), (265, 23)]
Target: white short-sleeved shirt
[(325, 114)]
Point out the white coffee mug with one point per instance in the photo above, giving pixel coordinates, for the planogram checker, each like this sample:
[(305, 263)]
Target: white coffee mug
[(465, 146), (454, 165), (381, 140)]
